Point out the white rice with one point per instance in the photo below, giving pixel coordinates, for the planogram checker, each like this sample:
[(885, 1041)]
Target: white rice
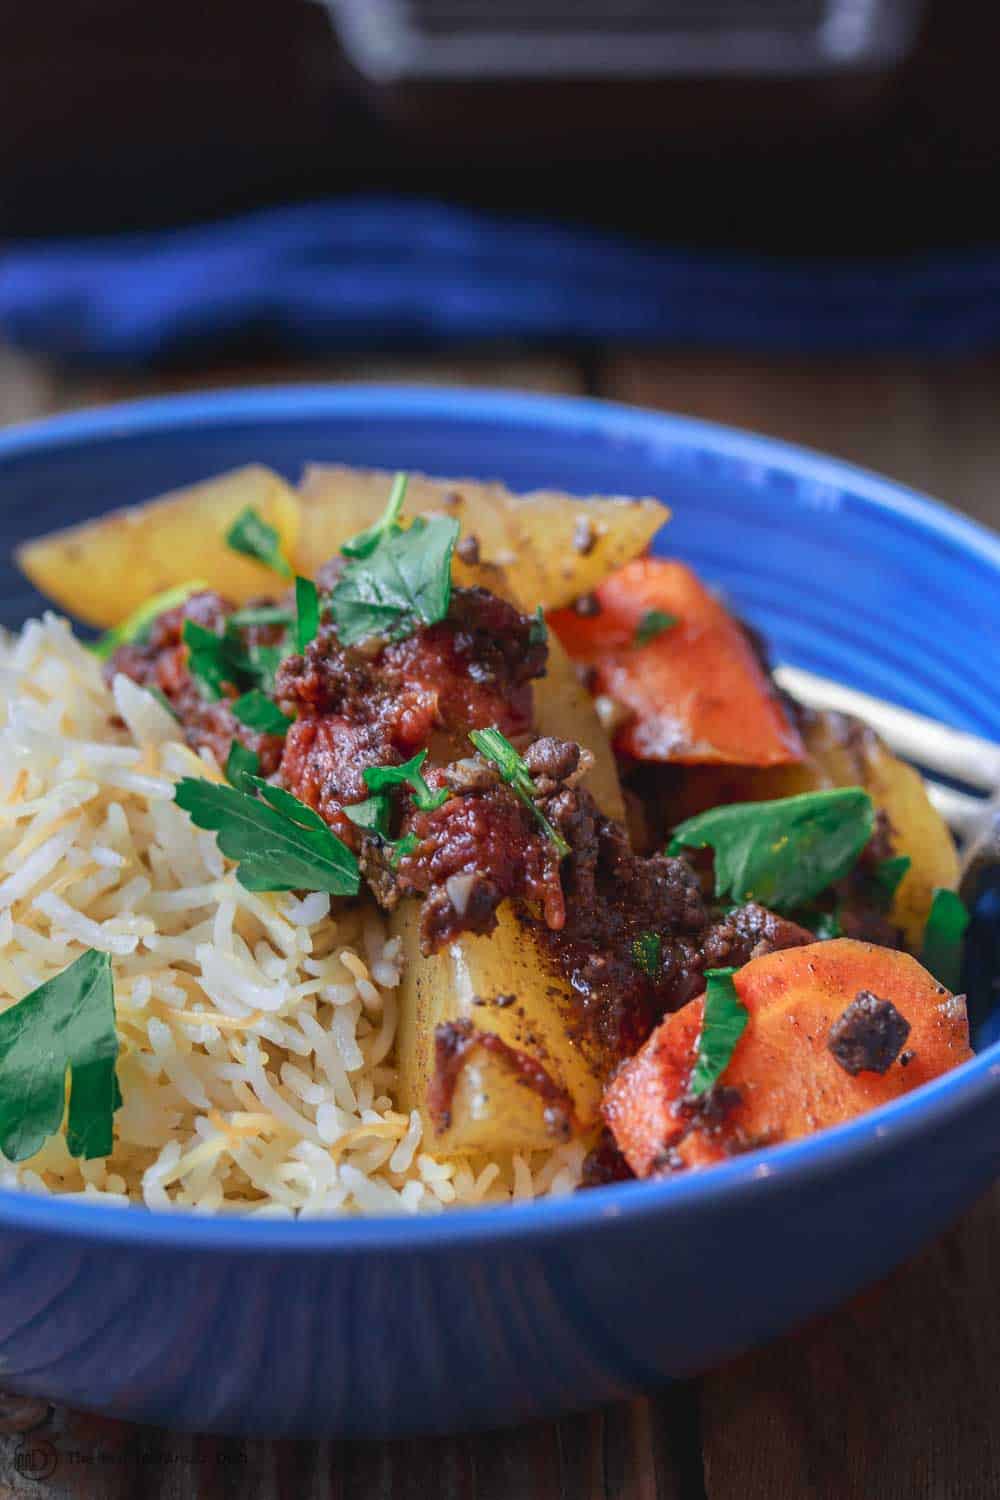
[(256, 1031)]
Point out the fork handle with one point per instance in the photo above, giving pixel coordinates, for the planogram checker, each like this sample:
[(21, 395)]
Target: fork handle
[(965, 757)]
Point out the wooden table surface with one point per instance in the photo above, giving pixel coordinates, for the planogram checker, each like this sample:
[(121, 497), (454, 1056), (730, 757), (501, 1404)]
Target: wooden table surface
[(894, 1397)]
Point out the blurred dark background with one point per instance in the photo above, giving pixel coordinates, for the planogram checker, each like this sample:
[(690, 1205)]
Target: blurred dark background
[(117, 115)]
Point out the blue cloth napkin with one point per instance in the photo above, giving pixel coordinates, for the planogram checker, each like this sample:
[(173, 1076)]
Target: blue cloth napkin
[(369, 270)]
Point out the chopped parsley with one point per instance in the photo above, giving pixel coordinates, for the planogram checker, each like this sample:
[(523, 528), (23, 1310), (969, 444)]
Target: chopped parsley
[(888, 875), (258, 711), (251, 535), (943, 938), (365, 543), (723, 1023), (215, 660), (241, 763), (394, 580), (653, 623), (66, 1025), (538, 630), (306, 612), (262, 614), (782, 853), (646, 953), (373, 816), (135, 629), (495, 747), (379, 778), (280, 843)]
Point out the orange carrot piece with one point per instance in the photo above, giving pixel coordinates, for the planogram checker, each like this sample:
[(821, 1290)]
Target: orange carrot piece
[(787, 1082), (695, 693)]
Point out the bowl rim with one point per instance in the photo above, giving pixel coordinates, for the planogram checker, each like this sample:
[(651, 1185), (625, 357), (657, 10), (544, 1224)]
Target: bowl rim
[(756, 1174)]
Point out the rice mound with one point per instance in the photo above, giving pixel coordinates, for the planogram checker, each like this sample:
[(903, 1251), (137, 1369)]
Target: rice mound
[(256, 1031)]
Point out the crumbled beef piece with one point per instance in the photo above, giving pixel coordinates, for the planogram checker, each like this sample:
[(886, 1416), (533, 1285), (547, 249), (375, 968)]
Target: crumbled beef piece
[(467, 550), (161, 661), (490, 836), (604, 1164), (551, 761), (868, 1036)]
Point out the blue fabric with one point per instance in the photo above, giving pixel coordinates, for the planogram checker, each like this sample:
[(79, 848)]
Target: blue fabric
[(374, 270)]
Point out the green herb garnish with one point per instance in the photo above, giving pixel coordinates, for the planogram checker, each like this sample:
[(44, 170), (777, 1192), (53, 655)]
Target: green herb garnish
[(723, 1023), (394, 580), (826, 924), (404, 583), (306, 612), (251, 535), (133, 630), (66, 1025), (262, 614), (215, 660), (401, 848), (943, 938), (888, 874), (241, 763), (653, 623), (260, 712), (782, 853), (379, 778), (496, 747), (538, 630), (646, 953), (372, 815), (364, 544), (280, 843)]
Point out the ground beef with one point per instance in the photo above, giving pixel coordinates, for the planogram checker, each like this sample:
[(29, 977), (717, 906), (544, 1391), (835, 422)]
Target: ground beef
[(377, 704), (160, 661), (869, 1035)]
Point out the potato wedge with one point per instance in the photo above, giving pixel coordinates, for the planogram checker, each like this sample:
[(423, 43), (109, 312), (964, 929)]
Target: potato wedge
[(538, 1087), (789, 1083), (565, 709), (102, 570), (556, 546)]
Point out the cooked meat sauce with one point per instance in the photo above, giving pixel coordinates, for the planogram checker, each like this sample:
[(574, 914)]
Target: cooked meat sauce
[(378, 704), (452, 1044), (868, 1035), (161, 661)]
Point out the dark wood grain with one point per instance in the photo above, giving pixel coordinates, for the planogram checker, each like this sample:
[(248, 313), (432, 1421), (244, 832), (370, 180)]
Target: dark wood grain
[(895, 1397), (929, 422)]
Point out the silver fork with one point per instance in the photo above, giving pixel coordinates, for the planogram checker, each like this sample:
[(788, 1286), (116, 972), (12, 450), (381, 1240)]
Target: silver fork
[(973, 817)]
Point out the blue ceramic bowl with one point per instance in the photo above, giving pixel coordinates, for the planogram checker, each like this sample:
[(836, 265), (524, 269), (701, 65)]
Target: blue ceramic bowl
[(498, 1315)]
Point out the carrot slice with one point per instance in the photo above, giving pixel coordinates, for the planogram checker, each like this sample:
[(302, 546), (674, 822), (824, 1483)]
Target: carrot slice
[(787, 1083), (695, 692)]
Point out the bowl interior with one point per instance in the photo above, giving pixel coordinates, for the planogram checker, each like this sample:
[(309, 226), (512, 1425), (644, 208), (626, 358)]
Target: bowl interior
[(845, 573)]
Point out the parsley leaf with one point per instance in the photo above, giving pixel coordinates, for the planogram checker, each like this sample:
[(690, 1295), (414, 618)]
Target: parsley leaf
[(279, 842), (378, 778), (261, 614), (251, 535), (241, 762), (782, 853), (259, 712), (216, 659), (496, 747), (646, 953), (364, 544), (653, 623), (372, 814), (403, 583), (402, 847), (136, 627), (306, 612), (888, 874), (538, 630), (66, 1024), (724, 1021), (943, 938)]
